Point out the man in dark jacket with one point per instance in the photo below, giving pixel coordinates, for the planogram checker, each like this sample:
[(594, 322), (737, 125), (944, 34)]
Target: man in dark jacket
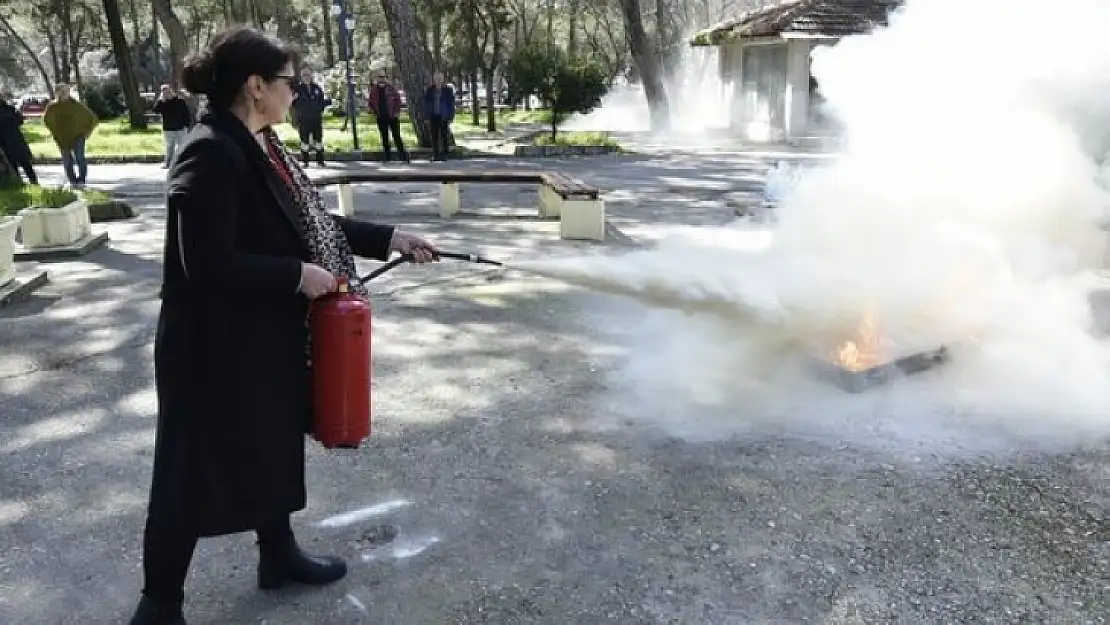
[(385, 103), (12, 142), (308, 114), (439, 108), (176, 121)]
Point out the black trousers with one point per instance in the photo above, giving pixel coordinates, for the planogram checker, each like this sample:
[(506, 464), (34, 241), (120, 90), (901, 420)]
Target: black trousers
[(18, 159), (28, 168), (168, 551), (311, 133), (387, 126), (438, 128)]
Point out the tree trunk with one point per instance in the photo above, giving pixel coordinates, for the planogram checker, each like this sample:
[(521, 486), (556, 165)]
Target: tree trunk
[(134, 13), (30, 53), (75, 55), (647, 64), (491, 102), (491, 83), (135, 113), (329, 41), (175, 31), (413, 60), (155, 45), (572, 30)]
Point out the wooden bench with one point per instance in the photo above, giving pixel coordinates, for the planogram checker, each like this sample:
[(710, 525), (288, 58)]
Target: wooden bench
[(578, 206)]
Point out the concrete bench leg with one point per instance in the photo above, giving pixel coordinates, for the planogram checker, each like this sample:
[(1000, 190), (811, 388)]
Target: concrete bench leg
[(551, 204), (449, 202), (583, 220), (346, 197)]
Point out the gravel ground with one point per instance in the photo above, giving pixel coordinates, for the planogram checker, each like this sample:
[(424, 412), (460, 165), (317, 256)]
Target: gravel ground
[(499, 487)]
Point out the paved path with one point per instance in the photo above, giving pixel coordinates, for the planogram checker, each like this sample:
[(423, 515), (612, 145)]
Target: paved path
[(498, 486)]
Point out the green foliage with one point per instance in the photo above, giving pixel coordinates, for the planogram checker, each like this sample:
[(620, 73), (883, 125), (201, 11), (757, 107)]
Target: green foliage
[(105, 98), (528, 71), (578, 138), (568, 84), (14, 198), (334, 83), (51, 197)]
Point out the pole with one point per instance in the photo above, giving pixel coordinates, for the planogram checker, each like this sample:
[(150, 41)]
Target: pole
[(346, 39)]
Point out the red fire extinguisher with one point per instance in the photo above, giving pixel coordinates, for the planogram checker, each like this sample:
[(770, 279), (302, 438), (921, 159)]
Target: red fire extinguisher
[(340, 326)]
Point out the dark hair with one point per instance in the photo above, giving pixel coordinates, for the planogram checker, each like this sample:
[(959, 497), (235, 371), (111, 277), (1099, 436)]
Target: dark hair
[(234, 55)]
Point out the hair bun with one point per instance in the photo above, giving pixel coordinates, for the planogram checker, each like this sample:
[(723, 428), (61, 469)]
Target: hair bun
[(197, 76)]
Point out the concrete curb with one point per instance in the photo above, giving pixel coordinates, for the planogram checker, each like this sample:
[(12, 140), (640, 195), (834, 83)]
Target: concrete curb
[(534, 151), (338, 157), (112, 210), (26, 282)]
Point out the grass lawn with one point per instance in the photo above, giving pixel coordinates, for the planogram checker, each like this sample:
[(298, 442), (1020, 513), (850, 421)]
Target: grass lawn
[(15, 198), (577, 138), (115, 138)]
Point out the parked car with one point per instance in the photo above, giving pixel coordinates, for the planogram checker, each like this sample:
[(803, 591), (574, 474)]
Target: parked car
[(32, 105)]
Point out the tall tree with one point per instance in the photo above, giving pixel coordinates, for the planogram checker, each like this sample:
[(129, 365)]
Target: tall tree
[(646, 57), (30, 53), (413, 60), (136, 113), (179, 42)]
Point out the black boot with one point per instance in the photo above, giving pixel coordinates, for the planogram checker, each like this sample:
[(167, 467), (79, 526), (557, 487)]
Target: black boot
[(155, 612), (282, 561)]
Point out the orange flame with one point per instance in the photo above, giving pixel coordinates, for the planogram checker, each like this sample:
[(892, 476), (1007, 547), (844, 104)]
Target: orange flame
[(863, 351)]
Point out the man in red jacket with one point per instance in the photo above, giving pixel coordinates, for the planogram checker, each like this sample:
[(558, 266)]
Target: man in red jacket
[(385, 103)]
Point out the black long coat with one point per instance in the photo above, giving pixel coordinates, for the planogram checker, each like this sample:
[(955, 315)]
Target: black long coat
[(234, 395), (12, 141)]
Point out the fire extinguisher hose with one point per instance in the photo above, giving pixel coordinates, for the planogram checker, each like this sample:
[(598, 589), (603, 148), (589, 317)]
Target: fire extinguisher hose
[(406, 258)]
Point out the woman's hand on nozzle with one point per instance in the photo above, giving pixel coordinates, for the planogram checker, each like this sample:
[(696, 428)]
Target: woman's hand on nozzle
[(422, 250)]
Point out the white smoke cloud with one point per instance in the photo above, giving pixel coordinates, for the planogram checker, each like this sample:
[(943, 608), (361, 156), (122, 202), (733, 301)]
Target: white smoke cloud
[(965, 210)]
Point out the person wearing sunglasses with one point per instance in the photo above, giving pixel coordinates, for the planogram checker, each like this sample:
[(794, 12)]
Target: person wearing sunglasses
[(246, 251)]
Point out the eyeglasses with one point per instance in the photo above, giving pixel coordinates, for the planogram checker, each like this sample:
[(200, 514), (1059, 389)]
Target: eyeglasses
[(289, 80)]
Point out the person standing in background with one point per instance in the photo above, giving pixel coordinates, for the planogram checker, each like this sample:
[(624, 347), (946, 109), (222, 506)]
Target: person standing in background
[(12, 141), (439, 108), (176, 121), (308, 114), (70, 124), (385, 103)]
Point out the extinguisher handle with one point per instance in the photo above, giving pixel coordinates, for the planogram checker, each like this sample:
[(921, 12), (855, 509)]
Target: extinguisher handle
[(408, 258), (404, 258)]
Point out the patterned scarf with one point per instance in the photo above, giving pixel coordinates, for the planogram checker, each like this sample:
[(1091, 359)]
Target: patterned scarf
[(327, 245)]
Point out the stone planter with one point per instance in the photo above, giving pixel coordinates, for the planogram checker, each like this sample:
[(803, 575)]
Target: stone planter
[(9, 226), (56, 227), (111, 210)]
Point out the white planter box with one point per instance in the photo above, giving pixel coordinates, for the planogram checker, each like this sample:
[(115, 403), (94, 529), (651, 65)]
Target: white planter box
[(55, 227), (8, 227)]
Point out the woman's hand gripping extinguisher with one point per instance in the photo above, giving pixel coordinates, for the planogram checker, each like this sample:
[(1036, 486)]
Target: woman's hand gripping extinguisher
[(341, 363)]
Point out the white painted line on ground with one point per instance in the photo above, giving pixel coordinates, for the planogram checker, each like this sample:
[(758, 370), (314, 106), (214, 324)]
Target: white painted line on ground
[(402, 549), (362, 514), (353, 600)]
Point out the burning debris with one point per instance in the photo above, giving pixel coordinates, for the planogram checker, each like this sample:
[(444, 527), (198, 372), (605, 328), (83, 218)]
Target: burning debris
[(866, 360)]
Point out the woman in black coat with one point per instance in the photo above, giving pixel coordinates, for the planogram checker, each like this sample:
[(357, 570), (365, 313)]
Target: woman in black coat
[(13, 143), (247, 247)]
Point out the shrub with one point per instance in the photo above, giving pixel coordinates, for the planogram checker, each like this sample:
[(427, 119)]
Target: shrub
[(568, 84)]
